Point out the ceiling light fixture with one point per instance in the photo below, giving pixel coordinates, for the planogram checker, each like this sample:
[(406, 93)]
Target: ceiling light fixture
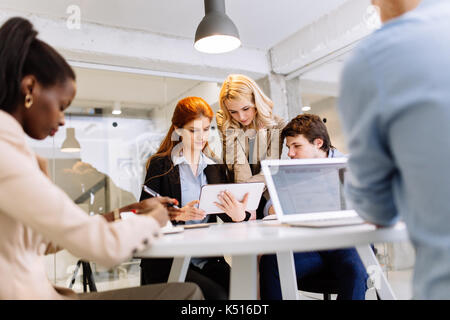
[(216, 33), (117, 109), (306, 108), (71, 144)]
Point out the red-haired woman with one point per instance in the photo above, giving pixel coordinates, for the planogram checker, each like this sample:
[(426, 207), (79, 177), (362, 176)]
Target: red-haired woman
[(179, 169)]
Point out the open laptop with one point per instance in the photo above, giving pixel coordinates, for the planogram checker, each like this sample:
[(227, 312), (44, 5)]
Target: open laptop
[(309, 192)]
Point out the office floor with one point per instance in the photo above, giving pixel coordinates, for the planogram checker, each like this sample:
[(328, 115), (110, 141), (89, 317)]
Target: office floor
[(400, 281)]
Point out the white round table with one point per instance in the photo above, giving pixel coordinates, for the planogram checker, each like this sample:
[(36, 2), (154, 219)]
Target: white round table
[(246, 240)]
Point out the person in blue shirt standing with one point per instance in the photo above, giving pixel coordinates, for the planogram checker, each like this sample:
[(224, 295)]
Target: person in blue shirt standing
[(307, 138), (395, 109)]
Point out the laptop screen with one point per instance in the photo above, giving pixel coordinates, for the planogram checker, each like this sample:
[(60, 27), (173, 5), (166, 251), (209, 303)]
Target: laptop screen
[(310, 188)]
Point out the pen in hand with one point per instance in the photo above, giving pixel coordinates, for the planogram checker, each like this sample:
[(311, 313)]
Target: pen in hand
[(156, 194)]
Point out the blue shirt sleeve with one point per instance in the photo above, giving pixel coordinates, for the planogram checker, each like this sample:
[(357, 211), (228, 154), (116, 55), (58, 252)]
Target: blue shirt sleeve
[(369, 184)]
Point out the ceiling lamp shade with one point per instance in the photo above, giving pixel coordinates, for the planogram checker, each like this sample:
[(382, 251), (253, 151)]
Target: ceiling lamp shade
[(117, 109), (216, 33), (71, 144)]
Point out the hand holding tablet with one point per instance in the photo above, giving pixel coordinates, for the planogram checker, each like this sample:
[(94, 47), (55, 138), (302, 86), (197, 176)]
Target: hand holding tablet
[(211, 193), (231, 206)]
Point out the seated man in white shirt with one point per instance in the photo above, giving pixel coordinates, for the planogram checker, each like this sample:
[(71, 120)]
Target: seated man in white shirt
[(307, 137)]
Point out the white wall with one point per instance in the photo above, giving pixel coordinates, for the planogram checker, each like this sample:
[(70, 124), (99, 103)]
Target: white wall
[(327, 108)]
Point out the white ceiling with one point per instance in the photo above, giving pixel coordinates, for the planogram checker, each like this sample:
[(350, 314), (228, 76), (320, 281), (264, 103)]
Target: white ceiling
[(261, 23)]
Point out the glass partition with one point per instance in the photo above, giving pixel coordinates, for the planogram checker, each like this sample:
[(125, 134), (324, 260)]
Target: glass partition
[(118, 121)]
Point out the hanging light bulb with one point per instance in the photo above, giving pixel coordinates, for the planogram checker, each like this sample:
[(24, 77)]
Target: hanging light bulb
[(216, 33), (71, 144)]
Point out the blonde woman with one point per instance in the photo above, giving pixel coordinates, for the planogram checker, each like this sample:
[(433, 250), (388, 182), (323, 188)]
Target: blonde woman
[(249, 129)]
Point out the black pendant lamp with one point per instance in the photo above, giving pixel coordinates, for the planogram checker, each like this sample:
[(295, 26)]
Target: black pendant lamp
[(71, 143), (216, 33)]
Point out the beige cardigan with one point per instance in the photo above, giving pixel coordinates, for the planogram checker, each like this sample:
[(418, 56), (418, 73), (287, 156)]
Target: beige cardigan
[(36, 215), (268, 145)]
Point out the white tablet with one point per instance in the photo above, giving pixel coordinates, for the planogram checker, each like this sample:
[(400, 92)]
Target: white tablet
[(210, 192)]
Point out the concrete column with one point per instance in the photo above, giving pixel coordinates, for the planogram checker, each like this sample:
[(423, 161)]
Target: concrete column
[(294, 97), (285, 94)]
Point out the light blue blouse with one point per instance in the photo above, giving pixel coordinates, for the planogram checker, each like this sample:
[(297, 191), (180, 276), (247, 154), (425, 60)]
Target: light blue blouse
[(191, 186)]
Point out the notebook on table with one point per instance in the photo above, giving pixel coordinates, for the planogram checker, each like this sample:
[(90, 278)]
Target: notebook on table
[(167, 229)]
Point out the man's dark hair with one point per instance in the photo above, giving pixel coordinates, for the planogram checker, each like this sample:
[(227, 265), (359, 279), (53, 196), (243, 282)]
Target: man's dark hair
[(22, 54), (311, 127)]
